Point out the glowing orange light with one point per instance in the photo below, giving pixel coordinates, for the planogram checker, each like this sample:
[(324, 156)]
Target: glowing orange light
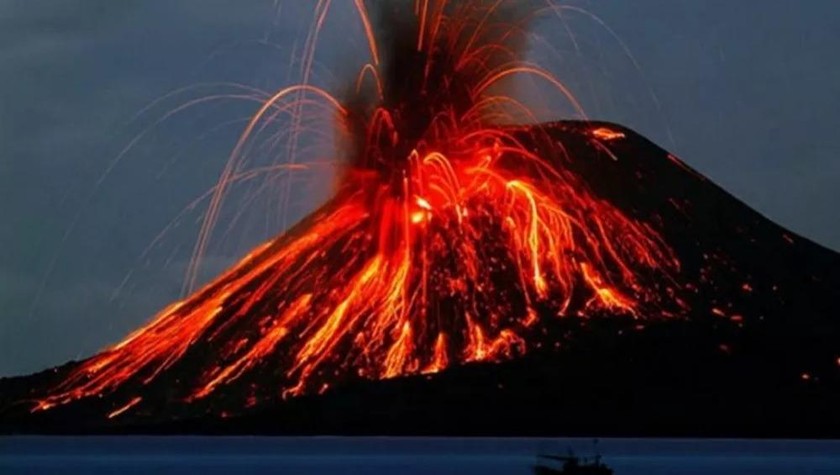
[(418, 217), (423, 203), (604, 133), (125, 408), (450, 248)]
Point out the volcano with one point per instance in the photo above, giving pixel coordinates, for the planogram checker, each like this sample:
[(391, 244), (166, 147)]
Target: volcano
[(752, 350), (474, 276)]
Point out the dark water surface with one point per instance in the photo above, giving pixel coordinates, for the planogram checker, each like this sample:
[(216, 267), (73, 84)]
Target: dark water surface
[(384, 455)]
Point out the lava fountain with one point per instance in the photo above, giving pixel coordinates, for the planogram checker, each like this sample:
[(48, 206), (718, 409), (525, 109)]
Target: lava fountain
[(452, 236)]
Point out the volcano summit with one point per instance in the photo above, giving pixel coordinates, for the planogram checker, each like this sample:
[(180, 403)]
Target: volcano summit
[(470, 276)]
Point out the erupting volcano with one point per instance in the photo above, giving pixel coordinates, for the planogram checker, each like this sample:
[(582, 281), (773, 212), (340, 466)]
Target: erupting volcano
[(458, 237)]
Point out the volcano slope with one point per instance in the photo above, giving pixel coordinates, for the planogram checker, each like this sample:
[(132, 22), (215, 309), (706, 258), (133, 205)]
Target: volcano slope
[(741, 340)]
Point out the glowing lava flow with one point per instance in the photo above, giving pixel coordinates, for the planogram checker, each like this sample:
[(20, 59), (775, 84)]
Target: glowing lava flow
[(449, 240)]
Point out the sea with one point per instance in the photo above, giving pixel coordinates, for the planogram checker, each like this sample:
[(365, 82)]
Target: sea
[(405, 455)]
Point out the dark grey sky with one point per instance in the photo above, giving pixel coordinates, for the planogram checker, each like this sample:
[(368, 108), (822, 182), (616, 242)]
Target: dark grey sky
[(747, 92)]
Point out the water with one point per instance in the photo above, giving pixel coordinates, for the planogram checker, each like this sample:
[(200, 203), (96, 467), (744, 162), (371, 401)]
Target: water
[(404, 456)]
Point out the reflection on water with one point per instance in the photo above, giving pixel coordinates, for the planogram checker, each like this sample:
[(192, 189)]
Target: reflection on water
[(408, 456)]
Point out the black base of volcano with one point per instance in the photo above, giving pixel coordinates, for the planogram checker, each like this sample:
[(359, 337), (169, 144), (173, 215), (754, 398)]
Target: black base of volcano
[(672, 379)]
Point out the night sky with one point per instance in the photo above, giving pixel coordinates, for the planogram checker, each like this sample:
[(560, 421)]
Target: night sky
[(746, 92)]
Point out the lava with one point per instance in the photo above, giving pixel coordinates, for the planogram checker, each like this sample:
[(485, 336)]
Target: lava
[(449, 239)]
